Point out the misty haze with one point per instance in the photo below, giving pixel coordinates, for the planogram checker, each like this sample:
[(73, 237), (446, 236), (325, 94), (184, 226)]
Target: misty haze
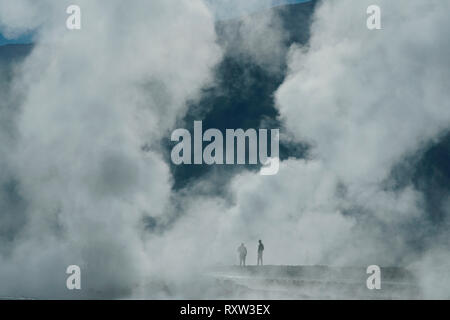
[(87, 178)]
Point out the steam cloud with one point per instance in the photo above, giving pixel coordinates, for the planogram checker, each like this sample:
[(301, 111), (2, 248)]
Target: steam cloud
[(88, 101)]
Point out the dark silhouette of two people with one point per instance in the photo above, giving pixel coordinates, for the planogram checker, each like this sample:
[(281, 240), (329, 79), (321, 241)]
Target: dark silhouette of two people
[(242, 250)]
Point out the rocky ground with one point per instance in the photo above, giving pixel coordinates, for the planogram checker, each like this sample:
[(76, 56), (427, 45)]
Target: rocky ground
[(313, 282)]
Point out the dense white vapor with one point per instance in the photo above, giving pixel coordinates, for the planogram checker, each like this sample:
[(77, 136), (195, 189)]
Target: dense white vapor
[(22, 16), (259, 38), (365, 100), (91, 100)]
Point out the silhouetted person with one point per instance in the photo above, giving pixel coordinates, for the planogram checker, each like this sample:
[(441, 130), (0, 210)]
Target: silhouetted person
[(242, 254), (260, 253)]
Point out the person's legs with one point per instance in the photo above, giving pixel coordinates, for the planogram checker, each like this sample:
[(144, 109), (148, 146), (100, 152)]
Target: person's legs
[(260, 259)]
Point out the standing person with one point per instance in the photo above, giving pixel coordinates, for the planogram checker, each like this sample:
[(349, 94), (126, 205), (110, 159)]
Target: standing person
[(260, 253), (242, 254)]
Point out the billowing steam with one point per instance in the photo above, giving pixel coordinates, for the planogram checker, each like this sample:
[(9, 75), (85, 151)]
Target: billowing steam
[(86, 103)]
